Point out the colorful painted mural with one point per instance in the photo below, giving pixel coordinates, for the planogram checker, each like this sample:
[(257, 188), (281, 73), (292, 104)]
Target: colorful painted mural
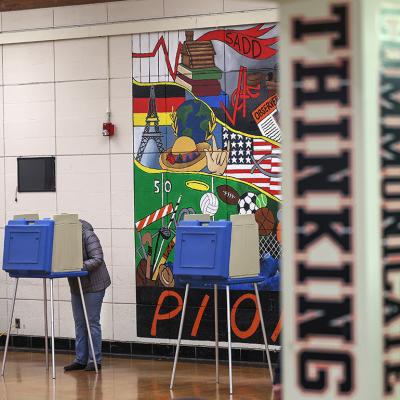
[(206, 140)]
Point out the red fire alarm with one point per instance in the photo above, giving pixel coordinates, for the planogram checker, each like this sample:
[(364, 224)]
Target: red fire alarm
[(108, 129)]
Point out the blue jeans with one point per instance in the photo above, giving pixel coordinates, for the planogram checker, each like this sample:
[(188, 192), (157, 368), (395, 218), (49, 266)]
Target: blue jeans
[(93, 303)]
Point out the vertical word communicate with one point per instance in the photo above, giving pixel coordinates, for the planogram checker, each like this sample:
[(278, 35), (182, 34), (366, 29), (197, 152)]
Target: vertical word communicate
[(390, 141), (323, 199)]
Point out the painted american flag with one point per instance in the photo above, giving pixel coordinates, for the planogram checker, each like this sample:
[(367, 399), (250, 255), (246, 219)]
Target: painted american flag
[(254, 161)]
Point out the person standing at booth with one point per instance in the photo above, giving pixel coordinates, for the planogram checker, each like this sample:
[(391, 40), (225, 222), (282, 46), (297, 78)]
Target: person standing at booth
[(94, 287), (277, 386)]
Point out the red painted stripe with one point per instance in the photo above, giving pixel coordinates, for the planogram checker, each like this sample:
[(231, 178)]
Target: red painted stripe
[(263, 153), (161, 43), (154, 216), (141, 105), (252, 180), (241, 171)]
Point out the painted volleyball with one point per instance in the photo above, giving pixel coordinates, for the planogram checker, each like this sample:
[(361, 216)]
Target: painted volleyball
[(209, 204)]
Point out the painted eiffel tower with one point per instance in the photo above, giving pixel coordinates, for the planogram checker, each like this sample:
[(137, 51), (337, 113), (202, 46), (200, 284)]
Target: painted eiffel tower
[(152, 128)]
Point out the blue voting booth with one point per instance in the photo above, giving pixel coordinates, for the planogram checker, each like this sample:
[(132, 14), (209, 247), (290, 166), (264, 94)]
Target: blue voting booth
[(28, 247), (218, 254), (202, 250), (44, 249)]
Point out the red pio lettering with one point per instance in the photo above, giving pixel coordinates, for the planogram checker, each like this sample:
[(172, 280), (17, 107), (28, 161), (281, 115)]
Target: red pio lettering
[(169, 315), (200, 314), (256, 320), (277, 330)]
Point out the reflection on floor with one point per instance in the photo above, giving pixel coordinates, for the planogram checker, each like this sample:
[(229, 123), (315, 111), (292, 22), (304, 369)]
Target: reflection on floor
[(26, 378)]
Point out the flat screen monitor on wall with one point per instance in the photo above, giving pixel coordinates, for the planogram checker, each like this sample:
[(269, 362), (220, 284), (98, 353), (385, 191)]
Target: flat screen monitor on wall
[(36, 174)]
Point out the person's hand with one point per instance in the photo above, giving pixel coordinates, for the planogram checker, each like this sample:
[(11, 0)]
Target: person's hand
[(217, 159)]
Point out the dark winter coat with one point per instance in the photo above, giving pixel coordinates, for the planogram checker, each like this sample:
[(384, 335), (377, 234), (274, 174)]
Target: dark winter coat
[(93, 262)]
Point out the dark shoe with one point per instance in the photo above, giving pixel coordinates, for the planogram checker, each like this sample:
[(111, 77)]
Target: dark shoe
[(74, 367), (90, 367)]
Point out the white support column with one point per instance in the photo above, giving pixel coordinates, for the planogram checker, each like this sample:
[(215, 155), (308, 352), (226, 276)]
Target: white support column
[(390, 203), (332, 280)]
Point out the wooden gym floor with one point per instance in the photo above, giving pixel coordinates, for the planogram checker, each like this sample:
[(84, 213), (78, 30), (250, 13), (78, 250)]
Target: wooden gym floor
[(26, 378)]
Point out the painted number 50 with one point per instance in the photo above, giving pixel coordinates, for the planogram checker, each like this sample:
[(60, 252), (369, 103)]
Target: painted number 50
[(167, 186)]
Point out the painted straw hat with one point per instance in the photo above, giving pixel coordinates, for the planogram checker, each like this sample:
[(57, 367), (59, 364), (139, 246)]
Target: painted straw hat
[(185, 155)]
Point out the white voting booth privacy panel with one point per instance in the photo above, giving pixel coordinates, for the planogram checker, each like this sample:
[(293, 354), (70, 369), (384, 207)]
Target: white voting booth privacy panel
[(332, 282)]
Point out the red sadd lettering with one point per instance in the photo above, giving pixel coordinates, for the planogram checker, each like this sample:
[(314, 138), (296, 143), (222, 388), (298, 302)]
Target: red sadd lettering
[(256, 48)]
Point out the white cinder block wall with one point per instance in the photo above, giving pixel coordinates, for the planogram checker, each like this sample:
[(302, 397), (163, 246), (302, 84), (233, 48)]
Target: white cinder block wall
[(53, 101)]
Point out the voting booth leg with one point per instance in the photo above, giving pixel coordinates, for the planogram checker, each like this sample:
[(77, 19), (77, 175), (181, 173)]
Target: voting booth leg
[(228, 319), (9, 329), (53, 361), (179, 337), (264, 332), (46, 336), (216, 333), (88, 326)]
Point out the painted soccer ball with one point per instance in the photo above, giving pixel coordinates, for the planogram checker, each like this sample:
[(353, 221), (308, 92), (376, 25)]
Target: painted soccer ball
[(247, 204)]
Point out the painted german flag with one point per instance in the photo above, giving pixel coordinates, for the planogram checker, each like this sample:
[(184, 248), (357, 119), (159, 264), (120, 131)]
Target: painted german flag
[(168, 97)]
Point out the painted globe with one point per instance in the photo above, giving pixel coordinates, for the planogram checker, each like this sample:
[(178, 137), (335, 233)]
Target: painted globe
[(194, 119)]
